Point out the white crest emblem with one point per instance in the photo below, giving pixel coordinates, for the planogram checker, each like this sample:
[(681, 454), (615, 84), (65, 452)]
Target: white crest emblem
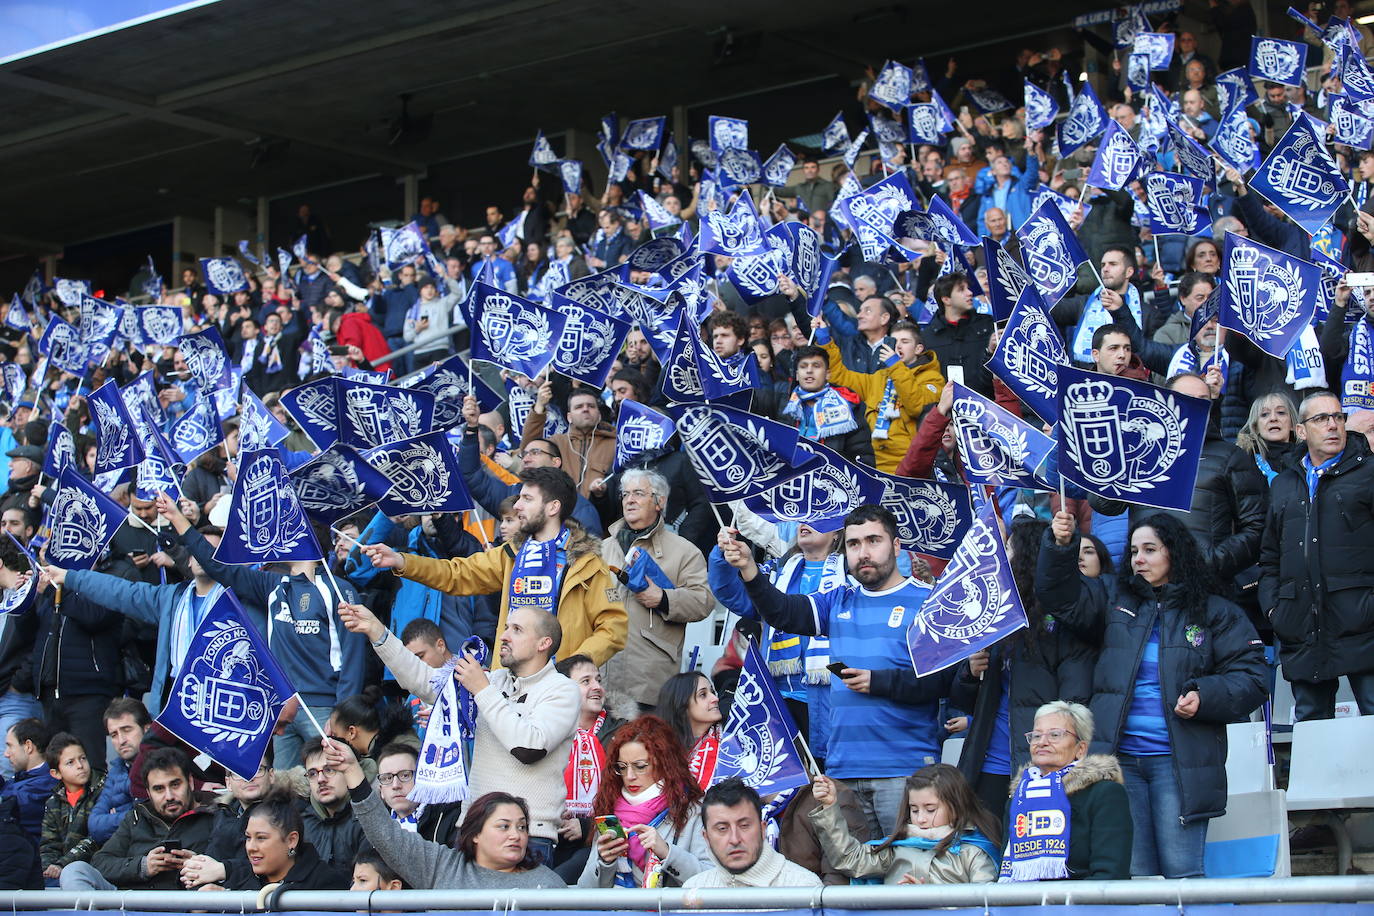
[(1047, 260), (1083, 123), (1276, 60), (587, 340), (927, 518), (382, 416), (925, 121), (996, 451), (1096, 435), (226, 694), (734, 457), (639, 434), (112, 443), (969, 599), (330, 483), (514, 335), (729, 133), (1266, 293), (1033, 353), (269, 514), (757, 754), (79, 527), (1304, 177), (418, 473), (224, 274)]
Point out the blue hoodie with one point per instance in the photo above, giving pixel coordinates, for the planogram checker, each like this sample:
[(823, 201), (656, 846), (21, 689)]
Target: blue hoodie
[(31, 791), (323, 660)]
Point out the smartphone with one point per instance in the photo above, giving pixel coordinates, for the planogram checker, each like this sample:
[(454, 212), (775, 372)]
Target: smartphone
[(609, 823), (955, 374), (836, 667)]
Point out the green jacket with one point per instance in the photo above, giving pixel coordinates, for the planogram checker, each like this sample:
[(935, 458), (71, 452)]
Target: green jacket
[(65, 838)]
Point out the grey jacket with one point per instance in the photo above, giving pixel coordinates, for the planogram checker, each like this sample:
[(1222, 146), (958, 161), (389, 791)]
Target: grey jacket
[(970, 865), (421, 863)]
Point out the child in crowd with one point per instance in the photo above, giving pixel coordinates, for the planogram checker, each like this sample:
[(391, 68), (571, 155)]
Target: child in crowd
[(371, 873), (942, 834), (65, 838)]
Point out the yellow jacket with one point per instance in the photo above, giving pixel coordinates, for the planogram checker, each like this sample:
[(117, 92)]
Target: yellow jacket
[(915, 388), (592, 616)]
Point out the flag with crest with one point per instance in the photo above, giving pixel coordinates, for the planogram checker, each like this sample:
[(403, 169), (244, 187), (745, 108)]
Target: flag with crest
[(735, 453), (997, 447), (1267, 295), (424, 475), (759, 744), (1300, 177), (81, 522), (267, 523)]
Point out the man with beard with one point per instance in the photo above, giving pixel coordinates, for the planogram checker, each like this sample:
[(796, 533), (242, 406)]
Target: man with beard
[(548, 566), (1079, 316), (884, 722), (155, 839)]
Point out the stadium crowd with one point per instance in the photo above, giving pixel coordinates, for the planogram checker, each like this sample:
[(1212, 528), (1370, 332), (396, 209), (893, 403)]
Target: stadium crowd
[(592, 757)]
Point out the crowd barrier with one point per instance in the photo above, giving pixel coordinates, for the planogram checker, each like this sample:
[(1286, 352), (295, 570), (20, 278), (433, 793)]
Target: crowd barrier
[(1310, 896)]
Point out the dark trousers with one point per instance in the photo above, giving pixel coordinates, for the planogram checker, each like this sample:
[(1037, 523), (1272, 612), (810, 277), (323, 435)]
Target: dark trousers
[(992, 789), (1317, 699), (83, 716)]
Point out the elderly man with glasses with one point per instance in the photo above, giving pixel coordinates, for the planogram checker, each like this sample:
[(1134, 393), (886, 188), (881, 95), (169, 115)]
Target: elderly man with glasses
[(662, 584), (1316, 568)]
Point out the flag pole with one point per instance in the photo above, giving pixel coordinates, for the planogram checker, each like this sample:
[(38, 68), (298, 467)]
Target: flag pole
[(1155, 239), (305, 708)]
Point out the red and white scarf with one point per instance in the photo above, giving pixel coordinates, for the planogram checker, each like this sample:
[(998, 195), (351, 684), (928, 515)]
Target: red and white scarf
[(582, 777), (704, 756)]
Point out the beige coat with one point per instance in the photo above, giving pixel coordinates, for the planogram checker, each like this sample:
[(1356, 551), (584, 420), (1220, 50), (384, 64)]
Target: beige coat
[(653, 645), (970, 865)]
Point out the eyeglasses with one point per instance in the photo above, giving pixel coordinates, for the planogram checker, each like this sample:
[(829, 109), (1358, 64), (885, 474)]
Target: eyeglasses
[(322, 771), (1055, 735), (637, 494), (387, 779), (639, 767), (538, 451), (1322, 419)]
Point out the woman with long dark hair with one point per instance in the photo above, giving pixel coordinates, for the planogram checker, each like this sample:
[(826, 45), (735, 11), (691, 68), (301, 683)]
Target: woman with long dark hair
[(687, 702), (274, 841), (647, 811), (1177, 662), (1004, 686)]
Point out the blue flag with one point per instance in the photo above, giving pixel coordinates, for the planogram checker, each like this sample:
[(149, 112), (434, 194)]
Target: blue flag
[(81, 521), (973, 604), (932, 515), (736, 233), (1177, 204), (13, 382), (228, 692), (315, 406), (17, 317), (641, 571), (1356, 77), (61, 451), (117, 443), (197, 430), (424, 474), (1129, 440), (1029, 355), (996, 446), (207, 358), (727, 133), (1006, 278), (161, 469), (643, 134), (1157, 46), (639, 429), (758, 745), (735, 453), (246, 253), (405, 245), (1118, 159), (1041, 108), (512, 232), (892, 87), (1192, 158), (835, 135), (1125, 29), (69, 292), (223, 275), (570, 171), (99, 326), (1300, 177), (1353, 126), (655, 213), (1234, 142), (820, 497), (779, 166), (541, 154), (267, 523), (61, 343), (158, 324), (448, 383), (34, 288), (513, 332), (372, 415), (936, 223), (18, 600), (1087, 119), (1277, 61), (924, 124), (1051, 251), (1268, 295), (226, 400), (739, 167), (336, 483), (590, 342), (259, 428), (987, 101), (1235, 89)]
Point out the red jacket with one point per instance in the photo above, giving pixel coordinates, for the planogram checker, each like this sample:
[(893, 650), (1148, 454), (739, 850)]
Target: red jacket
[(357, 330), (925, 445)]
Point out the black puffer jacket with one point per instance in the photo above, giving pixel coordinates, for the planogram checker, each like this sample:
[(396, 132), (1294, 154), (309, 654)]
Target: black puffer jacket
[(1223, 661), (1316, 568), (76, 650), (963, 344), (336, 837), (1229, 503), (1057, 665)]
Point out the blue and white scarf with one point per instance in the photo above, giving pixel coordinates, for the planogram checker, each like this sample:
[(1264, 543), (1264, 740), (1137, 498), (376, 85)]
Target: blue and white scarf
[(1357, 375), (1095, 315), (973, 837), (887, 411), (441, 775), (1038, 828), (788, 653), (830, 414), (534, 578), (1187, 359), (1306, 368)]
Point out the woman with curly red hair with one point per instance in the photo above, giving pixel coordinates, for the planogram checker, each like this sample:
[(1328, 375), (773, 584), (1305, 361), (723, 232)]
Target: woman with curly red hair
[(651, 793)]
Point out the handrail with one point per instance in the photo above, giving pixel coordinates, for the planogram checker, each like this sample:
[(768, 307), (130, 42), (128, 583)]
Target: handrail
[(1317, 889)]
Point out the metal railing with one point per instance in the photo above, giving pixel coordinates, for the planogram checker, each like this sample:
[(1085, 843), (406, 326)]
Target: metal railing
[(1307, 890)]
